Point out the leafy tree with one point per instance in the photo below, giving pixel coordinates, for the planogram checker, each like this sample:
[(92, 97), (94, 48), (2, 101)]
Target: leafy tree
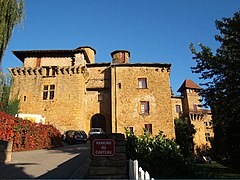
[(184, 131), (221, 73), (6, 105), (11, 14)]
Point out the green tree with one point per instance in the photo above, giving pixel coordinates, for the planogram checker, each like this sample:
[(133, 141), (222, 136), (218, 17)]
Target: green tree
[(11, 14), (184, 131), (221, 75), (158, 155)]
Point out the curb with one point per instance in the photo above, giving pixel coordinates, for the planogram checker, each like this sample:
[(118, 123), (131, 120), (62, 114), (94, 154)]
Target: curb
[(82, 171)]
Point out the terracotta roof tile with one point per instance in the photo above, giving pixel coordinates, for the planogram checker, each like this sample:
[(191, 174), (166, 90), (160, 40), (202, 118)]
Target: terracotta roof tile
[(188, 84)]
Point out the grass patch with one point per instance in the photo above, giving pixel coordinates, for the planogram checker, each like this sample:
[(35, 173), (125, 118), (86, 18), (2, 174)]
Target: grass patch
[(215, 170)]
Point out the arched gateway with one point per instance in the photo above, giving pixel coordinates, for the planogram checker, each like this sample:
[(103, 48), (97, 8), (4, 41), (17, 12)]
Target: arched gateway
[(98, 121)]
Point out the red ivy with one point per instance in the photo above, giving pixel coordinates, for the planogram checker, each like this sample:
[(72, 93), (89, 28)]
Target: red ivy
[(27, 135)]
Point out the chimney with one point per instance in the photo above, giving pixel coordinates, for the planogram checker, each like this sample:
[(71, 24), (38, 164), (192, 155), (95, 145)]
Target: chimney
[(90, 53), (120, 56)]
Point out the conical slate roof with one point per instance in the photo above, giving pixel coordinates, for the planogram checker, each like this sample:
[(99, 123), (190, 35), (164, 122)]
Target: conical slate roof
[(188, 84)]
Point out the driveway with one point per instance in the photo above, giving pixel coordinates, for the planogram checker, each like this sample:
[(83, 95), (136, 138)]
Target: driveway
[(54, 163)]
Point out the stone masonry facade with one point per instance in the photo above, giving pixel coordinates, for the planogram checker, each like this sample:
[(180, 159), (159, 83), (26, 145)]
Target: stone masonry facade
[(71, 91)]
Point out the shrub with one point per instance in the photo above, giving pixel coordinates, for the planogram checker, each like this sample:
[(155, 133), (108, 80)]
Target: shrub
[(27, 135), (158, 155)]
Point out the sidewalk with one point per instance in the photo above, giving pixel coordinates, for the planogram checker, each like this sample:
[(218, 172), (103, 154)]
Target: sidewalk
[(71, 161)]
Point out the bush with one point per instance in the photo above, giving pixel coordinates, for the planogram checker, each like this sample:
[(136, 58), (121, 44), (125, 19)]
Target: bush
[(27, 135), (158, 155)]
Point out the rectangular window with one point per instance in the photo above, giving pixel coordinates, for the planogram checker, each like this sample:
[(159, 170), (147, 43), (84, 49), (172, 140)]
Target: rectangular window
[(178, 108), (142, 83), (148, 128), (51, 91), (144, 107), (48, 92)]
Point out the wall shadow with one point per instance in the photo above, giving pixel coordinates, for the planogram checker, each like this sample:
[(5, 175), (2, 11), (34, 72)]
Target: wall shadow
[(105, 102), (11, 171)]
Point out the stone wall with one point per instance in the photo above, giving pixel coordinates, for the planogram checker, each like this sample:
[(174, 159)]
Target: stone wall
[(109, 167), (126, 97), (65, 110), (176, 101), (90, 89), (59, 61), (202, 127)]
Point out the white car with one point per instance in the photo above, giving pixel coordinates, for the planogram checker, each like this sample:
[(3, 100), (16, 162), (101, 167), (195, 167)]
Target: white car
[(95, 131)]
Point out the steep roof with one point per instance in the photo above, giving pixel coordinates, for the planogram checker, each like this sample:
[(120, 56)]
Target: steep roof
[(188, 84)]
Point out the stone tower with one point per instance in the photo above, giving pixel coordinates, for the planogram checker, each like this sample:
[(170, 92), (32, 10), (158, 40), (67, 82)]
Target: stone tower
[(199, 117), (190, 102)]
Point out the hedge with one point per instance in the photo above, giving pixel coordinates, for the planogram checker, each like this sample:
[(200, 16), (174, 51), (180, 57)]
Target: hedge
[(27, 135)]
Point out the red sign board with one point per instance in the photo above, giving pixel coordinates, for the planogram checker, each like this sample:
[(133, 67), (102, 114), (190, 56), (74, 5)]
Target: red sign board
[(103, 147)]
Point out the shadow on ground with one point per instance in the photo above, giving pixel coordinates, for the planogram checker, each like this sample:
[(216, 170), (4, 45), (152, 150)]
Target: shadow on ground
[(64, 170), (68, 168), (11, 171)]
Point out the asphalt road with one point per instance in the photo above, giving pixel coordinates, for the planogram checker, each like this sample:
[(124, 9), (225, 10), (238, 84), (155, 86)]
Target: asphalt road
[(59, 163)]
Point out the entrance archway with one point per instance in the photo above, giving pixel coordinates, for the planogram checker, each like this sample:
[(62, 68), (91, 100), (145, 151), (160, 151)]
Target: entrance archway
[(98, 121)]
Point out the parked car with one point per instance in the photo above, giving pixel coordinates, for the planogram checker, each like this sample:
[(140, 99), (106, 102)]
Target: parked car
[(73, 137), (95, 131)]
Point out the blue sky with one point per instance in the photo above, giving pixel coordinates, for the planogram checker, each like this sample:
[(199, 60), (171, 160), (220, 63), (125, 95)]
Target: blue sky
[(152, 30)]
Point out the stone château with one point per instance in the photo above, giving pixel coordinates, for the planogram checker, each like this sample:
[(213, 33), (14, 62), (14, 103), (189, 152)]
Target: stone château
[(71, 91)]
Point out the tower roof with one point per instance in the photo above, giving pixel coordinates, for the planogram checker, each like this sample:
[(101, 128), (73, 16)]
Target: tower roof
[(188, 84)]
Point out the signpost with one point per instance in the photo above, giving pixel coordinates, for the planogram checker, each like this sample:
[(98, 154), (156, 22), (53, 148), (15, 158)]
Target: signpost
[(103, 147)]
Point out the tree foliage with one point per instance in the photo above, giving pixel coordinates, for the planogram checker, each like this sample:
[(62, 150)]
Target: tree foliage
[(221, 75), (158, 155), (7, 105), (184, 131), (11, 14)]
